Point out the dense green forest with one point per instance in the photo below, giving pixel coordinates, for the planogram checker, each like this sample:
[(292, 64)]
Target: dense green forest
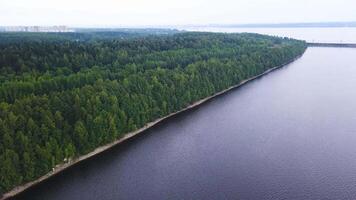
[(82, 35), (62, 97)]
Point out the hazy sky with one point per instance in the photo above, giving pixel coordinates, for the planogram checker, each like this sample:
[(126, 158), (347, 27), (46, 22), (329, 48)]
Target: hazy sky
[(171, 12)]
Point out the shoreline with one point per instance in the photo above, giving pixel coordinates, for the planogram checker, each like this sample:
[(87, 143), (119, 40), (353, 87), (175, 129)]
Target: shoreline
[(61, 167)]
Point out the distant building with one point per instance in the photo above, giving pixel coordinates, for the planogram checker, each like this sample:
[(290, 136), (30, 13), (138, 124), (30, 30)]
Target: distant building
[(36, 29)]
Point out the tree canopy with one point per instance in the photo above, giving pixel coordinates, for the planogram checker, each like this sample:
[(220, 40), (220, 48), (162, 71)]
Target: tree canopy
[(61, 98)]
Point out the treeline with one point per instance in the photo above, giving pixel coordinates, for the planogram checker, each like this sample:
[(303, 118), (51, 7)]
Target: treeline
[(61, 99), (83, 35)]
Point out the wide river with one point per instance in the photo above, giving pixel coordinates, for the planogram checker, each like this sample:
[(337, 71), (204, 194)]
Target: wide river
[(288, 135), (332, 35)]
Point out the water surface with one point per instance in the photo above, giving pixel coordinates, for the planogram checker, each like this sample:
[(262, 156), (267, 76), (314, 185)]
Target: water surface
[(288, 135), (333, 35)]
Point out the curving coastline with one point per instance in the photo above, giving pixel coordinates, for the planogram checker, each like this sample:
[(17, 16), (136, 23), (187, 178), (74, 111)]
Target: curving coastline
[(98, 150)]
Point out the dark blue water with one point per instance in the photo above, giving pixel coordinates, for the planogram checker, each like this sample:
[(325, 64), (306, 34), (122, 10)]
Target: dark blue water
[(288, 135)]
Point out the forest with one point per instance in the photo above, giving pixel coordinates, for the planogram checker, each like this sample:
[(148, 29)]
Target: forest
[(62, 96)]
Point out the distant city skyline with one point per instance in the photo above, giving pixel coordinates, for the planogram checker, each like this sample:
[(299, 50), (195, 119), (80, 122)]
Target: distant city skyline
[(109, 13), (65, 28)]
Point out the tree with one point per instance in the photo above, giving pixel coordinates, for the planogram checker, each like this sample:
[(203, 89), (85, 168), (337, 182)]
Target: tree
[(81, 136), (28, 167), (9, 170)]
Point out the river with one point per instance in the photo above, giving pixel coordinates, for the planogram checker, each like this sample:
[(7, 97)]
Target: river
[(311, 34), (288, 135)]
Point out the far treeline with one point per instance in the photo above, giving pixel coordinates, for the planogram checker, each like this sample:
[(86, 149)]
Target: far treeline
[(60, 99)]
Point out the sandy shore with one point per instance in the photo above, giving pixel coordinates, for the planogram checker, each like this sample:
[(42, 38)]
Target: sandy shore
[(98, 150)]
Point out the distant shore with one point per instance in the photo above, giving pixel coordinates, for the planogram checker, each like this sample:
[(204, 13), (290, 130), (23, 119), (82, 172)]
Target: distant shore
[(328, 44), (61, 167)]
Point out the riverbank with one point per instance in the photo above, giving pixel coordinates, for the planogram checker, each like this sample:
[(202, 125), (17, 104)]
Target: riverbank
[(64, 166)]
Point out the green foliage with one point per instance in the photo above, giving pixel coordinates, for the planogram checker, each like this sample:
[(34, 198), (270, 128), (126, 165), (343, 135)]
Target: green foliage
[(60, 99)]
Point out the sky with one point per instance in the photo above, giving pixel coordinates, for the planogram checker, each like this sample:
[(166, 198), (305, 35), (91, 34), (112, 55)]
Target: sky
[(172, 12)]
